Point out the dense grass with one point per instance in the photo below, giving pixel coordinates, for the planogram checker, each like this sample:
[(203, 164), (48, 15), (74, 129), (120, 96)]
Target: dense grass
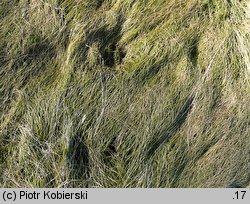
[(124, 93)]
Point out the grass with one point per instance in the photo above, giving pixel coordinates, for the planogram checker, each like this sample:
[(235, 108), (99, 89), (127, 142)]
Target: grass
[(129, 93)]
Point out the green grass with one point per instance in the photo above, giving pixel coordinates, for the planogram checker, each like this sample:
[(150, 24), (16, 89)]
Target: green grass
[(113, 93)]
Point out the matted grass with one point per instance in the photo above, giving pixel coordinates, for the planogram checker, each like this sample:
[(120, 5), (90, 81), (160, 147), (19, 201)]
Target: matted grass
[(124, 93)]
